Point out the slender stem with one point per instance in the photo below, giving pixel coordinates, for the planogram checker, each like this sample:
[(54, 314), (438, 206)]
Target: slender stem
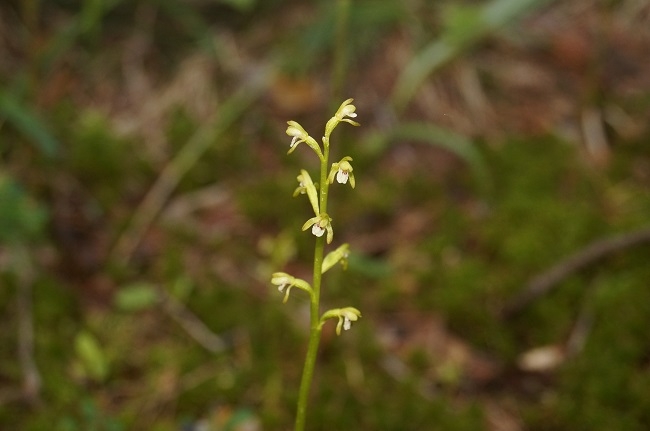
[(340, 49), (314, 339), (315, 330)]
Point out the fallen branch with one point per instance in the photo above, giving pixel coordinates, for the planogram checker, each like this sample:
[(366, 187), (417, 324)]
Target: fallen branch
[(25, 278), (187, 157), (543, 283), (194, 326)]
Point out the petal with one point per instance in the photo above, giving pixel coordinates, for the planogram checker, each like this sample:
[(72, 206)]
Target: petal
[(310, 222)]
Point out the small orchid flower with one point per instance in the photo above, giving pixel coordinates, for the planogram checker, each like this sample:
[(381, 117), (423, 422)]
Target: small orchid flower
[(284, 280), (343, 171), (345, 315), (319, 225), (299, 135), (345, 110), (349, 314), (301, 189)]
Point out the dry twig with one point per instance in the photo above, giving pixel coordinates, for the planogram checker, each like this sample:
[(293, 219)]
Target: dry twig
[(547, 280), (25, 277), (194, 326), (201, 141)]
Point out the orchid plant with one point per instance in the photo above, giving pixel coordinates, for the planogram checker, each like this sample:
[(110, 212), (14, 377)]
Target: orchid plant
[(321, 228)]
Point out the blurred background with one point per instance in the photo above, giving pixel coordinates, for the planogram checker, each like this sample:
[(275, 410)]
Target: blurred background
[(499, 227)]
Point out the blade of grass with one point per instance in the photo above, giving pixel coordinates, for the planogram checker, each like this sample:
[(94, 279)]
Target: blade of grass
[(446, 139), (86, 22), (484, 20), (28, 123), (459, 145)]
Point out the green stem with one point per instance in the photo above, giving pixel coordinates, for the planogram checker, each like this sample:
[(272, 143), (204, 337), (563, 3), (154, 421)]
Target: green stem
[(314, 339), (315, 329), (340, 49)]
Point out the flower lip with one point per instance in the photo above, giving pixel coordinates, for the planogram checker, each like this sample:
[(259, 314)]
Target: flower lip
[(349, 314), (317, 230), (342, 176)]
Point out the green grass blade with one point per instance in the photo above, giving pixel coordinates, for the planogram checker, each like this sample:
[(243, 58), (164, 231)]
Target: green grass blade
[(458, 144), (459, 36), (28, 124)]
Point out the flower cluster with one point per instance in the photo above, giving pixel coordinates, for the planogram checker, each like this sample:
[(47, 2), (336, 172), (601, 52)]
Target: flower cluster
[(321, 222)]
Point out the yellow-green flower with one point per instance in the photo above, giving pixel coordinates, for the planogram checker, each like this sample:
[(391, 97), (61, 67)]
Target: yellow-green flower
[(319, 225), (298, 136), (345, 315), (286, 281), (342, 170), (347, 109)]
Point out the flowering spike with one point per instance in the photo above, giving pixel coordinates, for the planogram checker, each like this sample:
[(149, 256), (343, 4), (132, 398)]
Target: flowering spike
[(321, 226)]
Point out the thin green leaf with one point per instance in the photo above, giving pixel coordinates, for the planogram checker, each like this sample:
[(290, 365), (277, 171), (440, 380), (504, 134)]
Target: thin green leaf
[(444, 138), (91, 355), (21, 218), (28, 123), (137, 296), (457, 38)]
